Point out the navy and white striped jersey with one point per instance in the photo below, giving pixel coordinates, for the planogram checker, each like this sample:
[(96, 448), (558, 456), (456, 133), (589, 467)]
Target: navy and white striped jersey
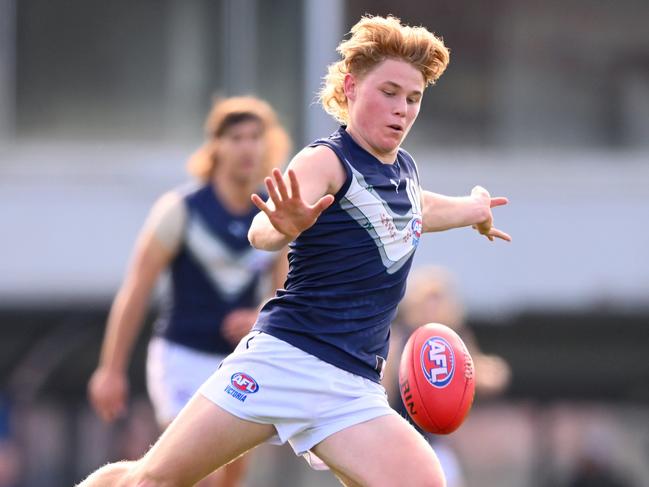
[(348, 271), (214, 272)]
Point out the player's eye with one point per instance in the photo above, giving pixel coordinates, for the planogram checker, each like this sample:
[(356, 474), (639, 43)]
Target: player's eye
[(388, 93)]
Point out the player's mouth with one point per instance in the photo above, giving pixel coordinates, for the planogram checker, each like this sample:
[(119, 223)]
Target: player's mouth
[(396, 128)]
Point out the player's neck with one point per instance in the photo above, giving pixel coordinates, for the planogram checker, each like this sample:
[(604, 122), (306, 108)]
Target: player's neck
[(385, 158), (233, 194)]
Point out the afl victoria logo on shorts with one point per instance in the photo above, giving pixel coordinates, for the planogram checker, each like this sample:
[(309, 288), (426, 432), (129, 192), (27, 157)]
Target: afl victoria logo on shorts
[(438, 362), (241, 384)]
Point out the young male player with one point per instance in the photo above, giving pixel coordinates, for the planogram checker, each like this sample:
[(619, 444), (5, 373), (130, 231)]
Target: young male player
[(353, 213), (199, 234)]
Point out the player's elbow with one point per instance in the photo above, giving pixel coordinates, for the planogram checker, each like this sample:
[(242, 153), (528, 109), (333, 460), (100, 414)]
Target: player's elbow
[(253, 237)]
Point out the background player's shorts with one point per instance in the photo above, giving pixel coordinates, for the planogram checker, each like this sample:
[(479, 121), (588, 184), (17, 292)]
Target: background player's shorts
[(269, 381), (174, 373)]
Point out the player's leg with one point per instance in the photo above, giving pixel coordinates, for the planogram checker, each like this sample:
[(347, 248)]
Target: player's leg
[(201, 439), (346, 481), (174, 374), (230, 475), (385, 451)]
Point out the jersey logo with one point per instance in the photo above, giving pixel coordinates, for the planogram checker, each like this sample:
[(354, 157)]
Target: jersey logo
[(416, 226), (396, 184)]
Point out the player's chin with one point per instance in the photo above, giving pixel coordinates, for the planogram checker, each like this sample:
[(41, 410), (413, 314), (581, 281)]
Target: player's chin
[(393, 140), (390, 146)]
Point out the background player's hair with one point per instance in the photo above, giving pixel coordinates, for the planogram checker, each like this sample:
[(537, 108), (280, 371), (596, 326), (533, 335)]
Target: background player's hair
[(228, 112), (373, 40)]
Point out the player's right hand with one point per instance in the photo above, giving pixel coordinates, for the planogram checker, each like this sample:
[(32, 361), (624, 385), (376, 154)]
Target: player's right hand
[(108, 392), (291, 215)]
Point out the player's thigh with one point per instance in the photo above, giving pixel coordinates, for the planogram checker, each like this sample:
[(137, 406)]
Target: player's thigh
[(201, 439), (385, 451)]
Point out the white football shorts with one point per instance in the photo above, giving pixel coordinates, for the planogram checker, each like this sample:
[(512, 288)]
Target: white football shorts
[(269, 381), (174, 373)]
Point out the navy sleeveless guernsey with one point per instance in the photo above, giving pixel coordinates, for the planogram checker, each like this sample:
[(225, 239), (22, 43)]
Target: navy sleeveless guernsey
[(214, 272), (347, 273)]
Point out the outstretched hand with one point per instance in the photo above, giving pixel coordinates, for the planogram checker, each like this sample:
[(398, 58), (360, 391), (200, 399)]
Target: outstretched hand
[(289, 214), (486, 227)]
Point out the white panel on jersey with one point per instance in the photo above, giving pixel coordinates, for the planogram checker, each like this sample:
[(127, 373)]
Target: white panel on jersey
[(396, 236), (230, 272)]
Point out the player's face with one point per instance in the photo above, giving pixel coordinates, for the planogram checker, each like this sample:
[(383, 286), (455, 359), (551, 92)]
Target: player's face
[(383, 105), (240, 151)]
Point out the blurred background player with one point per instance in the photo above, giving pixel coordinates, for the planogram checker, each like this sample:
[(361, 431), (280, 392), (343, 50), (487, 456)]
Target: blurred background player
[(431, 297), (199, 234)]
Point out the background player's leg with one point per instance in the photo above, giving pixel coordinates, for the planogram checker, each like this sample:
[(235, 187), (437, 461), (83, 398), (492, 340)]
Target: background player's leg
[(201, 439), (385, 451)]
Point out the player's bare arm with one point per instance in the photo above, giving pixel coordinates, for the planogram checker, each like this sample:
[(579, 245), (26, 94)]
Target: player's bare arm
[(296, 200), (108, 386), (445, 212)]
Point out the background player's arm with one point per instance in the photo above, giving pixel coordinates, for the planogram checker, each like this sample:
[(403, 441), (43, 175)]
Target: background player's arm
[(297, 199), (445, 212), (154, 249)]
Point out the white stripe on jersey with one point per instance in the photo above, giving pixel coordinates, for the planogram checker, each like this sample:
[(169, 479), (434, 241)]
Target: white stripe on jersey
[(230, 272)]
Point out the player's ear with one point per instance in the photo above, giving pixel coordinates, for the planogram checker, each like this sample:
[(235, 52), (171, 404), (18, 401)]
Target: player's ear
[(349, 86)]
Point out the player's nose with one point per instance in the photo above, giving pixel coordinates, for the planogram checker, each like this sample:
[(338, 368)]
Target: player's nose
[(400, 106)]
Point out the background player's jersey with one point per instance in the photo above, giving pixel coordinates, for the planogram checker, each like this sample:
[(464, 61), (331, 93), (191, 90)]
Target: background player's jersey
[(348, 271), (214, 272)]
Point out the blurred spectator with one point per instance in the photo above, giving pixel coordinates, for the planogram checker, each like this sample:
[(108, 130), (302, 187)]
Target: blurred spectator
[(431, 298)]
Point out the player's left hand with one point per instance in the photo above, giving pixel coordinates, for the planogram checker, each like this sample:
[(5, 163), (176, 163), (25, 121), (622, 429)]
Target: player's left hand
[(486, 227), (237, 324)]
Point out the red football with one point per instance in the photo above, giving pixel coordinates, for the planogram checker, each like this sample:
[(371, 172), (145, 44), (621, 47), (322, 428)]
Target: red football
[(436, 378)]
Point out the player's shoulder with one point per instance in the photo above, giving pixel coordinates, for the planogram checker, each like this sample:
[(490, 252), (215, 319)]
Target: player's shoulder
[(174, 199), (321, 163), (410, 161), (320, 158), (406, 155), (316, 154)]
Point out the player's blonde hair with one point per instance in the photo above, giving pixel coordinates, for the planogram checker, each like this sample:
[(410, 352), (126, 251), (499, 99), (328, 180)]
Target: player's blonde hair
[(228, 112), (373, 40)]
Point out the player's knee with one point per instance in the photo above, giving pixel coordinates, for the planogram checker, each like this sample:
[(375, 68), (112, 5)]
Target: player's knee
[(109, 475), (429, 476), (144, 475)]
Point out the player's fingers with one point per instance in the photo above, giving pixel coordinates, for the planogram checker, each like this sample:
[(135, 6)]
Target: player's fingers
[(494, 232), (499, 201), (323, 203), (295, 186), (272, 192), (281, 185), (259, 203)]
